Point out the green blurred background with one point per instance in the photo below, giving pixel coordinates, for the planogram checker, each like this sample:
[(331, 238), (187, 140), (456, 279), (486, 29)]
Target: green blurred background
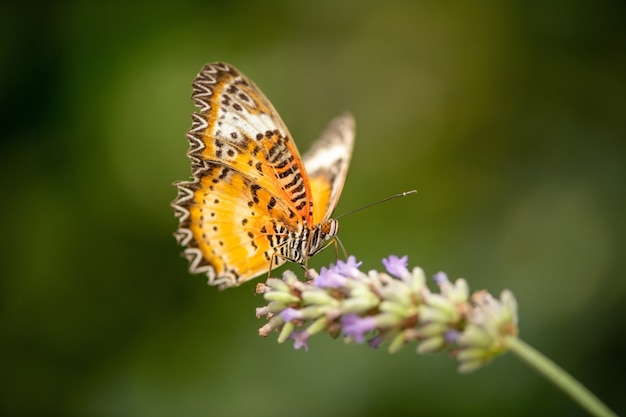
[(509, 118)]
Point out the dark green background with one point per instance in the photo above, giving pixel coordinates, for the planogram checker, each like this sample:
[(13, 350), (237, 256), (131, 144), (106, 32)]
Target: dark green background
[(509, 118)]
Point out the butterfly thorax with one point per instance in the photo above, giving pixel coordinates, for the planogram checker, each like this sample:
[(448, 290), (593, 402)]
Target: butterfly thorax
[(309, 242)]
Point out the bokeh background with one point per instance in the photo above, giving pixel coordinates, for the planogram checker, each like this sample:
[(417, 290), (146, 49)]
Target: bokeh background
[(509, 118)]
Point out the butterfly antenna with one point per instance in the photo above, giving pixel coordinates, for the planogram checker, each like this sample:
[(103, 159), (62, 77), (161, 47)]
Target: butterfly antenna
[(391, 197)]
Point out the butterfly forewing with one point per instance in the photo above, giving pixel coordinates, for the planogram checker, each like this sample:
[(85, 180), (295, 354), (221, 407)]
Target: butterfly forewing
[(326, 164), (239, 127)]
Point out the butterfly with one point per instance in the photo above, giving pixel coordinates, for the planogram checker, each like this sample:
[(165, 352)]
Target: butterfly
[(253, 202)]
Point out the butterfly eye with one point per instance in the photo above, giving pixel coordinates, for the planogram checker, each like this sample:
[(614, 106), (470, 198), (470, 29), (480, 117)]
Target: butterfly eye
[(329, 227)]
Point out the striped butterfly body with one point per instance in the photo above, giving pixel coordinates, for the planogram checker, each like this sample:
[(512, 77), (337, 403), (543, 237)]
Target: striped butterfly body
[(253, 203)]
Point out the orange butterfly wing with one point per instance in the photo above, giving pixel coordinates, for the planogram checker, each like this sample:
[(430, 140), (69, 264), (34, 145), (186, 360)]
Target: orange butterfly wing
[(250, 195)]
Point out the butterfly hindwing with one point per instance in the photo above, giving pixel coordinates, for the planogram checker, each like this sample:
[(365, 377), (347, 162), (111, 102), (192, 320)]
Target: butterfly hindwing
[(234, 226)]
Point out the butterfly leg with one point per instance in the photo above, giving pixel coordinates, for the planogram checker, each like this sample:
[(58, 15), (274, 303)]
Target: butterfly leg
[(336, 243), (343, 248), (269, 271)]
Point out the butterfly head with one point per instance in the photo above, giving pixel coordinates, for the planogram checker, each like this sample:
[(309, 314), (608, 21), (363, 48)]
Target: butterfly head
[(322, 234)]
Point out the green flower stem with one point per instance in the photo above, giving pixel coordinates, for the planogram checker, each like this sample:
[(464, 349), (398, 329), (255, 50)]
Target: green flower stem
[(559, 377)]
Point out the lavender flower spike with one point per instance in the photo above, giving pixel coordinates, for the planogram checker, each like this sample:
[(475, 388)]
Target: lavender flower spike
[(395, 306)]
